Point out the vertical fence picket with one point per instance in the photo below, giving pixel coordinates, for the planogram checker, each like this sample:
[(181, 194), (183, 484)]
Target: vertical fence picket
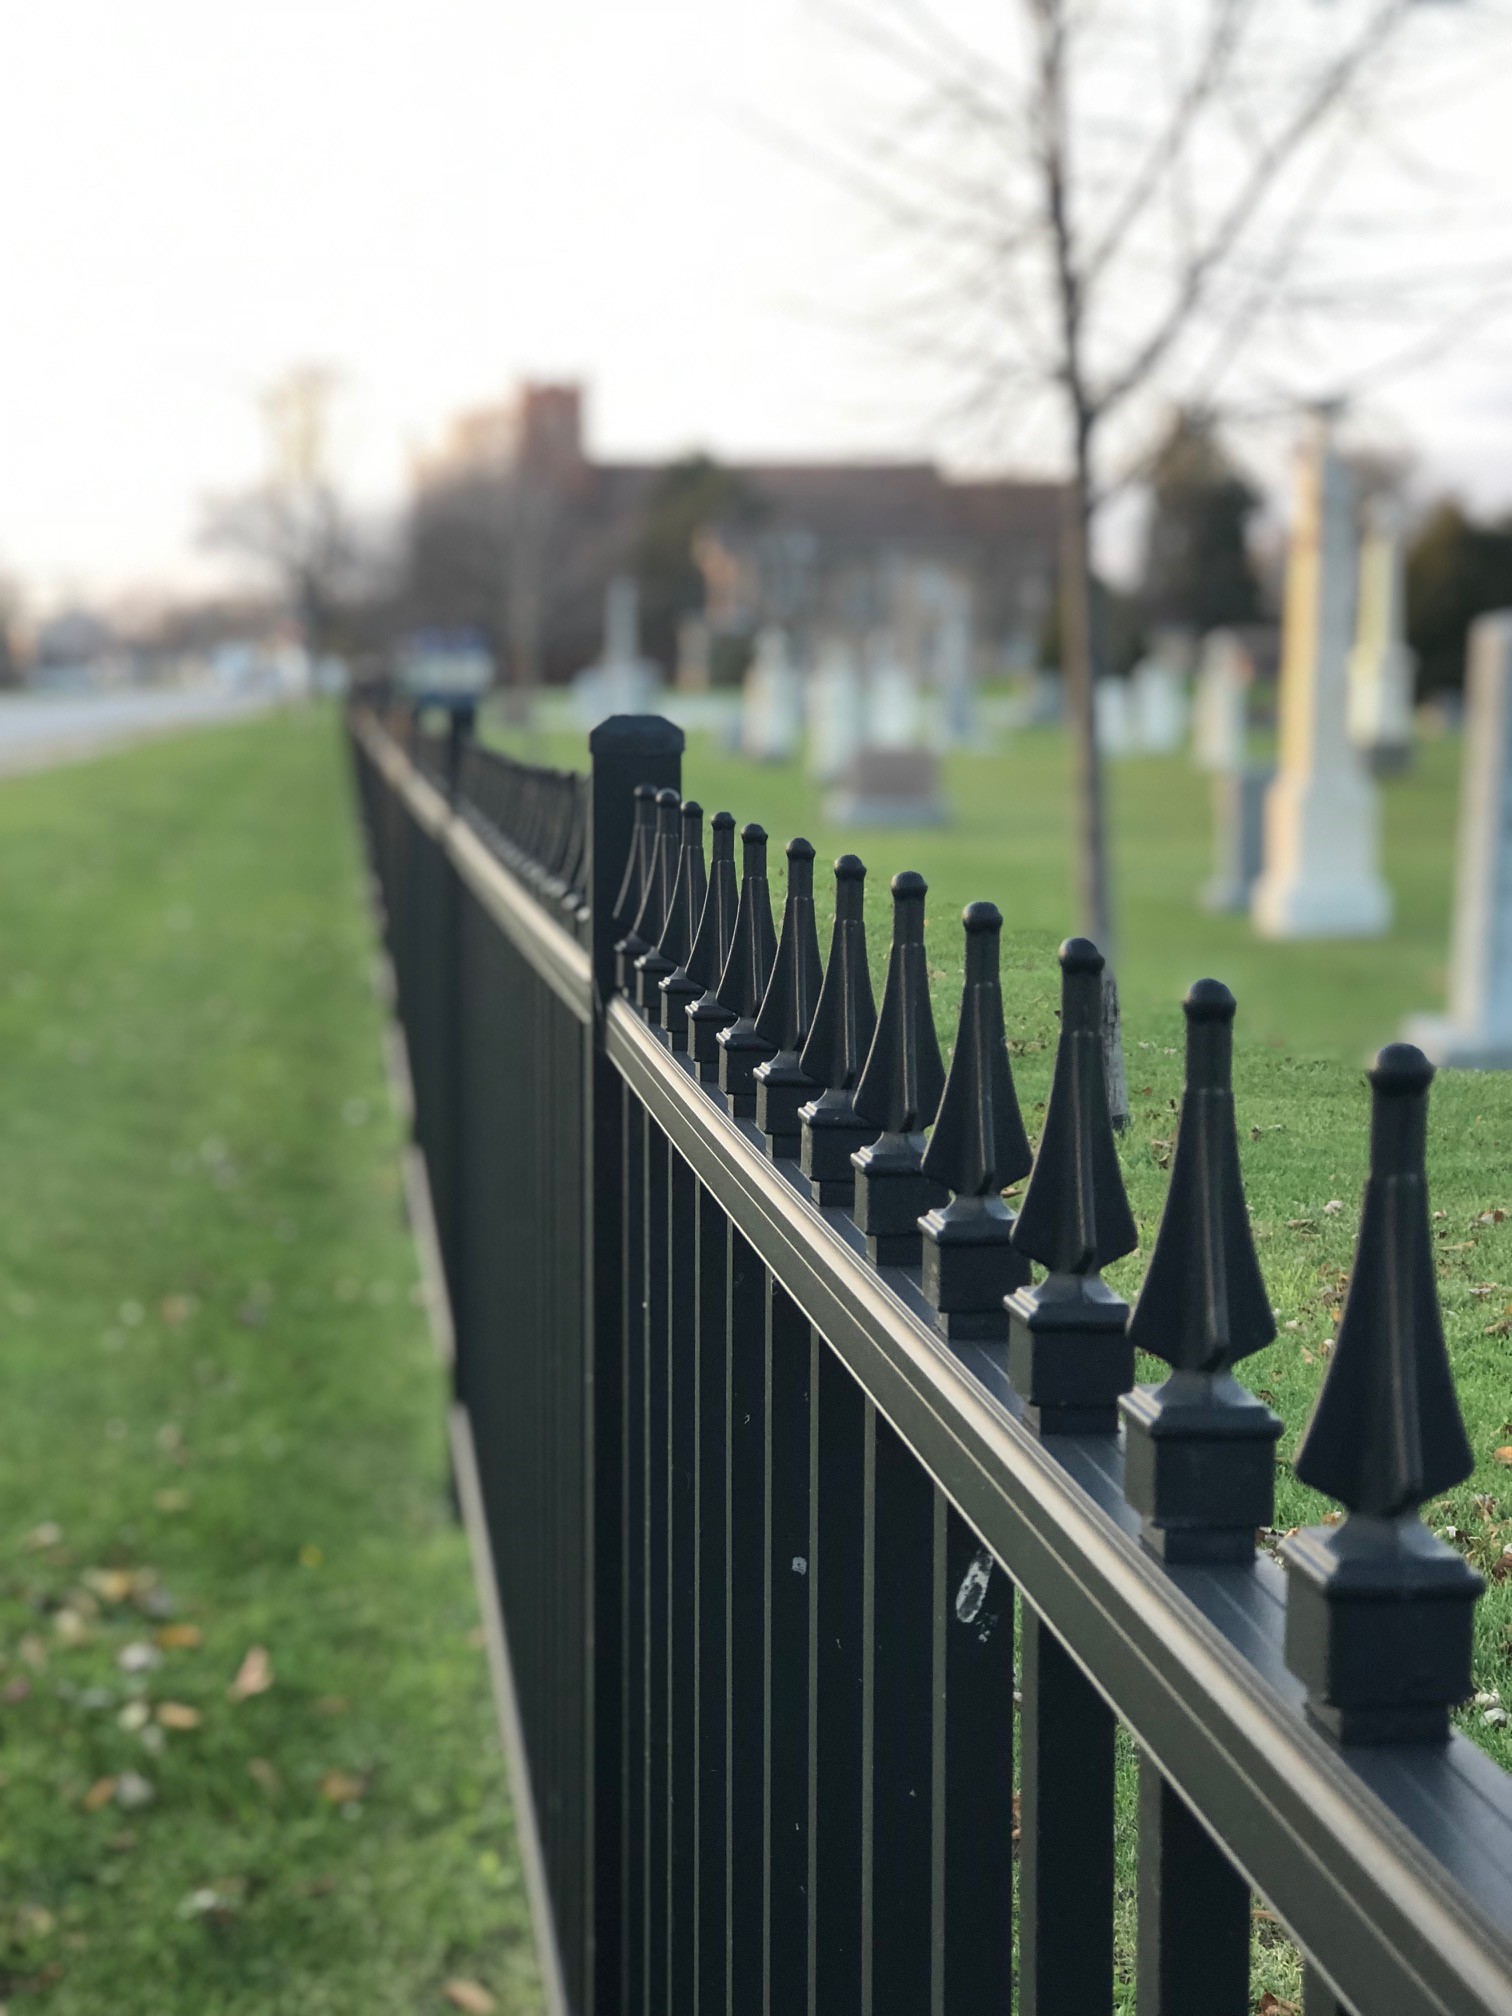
[(745, 1630), (658, 1458), (1065, 1834), (789, 1354), (633, 1863), (901, 1583), (839, 1432), (682, 1429), (1194, 1912), (974, 1710), (711, 1438)]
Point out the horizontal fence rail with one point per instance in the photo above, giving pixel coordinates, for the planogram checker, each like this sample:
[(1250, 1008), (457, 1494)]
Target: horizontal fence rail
[(831, 1541)]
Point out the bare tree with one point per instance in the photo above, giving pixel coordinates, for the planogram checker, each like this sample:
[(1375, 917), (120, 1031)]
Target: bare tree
[(1121, 205), (295, 523)]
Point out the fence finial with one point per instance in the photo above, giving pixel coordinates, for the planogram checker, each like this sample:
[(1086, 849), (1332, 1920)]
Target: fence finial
[(628, 945), (1200, 1454), (899, 1090), (652, 917), (1068, 1352), (977, 1147), (744, 980), (787, 1009), (1380, 1613), (686, 909), (702, 1014), (844, 1023)]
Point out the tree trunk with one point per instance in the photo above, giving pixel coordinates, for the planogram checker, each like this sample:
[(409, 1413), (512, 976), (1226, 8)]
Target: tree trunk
[(1079, 668)]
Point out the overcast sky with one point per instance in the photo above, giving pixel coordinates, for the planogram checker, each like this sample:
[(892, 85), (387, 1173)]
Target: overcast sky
[(441, 196)]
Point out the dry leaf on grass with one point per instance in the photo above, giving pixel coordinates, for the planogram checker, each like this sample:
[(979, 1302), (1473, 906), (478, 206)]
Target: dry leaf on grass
[(1505, 1455), (253, 1676), (342, 1787), (178, 1715), (470, 1996), (99, 1794), (179, 1637)]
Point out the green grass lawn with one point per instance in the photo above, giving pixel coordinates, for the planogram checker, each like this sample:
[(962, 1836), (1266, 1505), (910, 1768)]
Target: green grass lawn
[(221, 1427)]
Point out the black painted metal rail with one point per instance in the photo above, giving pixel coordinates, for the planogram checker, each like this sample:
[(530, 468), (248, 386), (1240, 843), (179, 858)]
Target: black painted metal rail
[(830, 1550)]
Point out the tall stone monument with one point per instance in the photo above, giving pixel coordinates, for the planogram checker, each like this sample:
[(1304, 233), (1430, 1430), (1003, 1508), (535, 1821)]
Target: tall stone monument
[(895, 717), (1477, 1032), (1221, 713), (1382, 666), (622, 682), (1322, 876), (1157, 695), (954, 667), (1113, 717)]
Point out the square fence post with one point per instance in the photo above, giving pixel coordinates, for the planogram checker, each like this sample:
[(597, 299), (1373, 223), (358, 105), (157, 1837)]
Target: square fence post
[(625, 750)]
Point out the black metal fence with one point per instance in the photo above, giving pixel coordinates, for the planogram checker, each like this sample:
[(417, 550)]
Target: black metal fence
[(830, 1550)]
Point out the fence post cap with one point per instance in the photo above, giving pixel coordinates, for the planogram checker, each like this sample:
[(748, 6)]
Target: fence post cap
[(982, 916), (1080, 955), (1209, 1001), (648, 733)]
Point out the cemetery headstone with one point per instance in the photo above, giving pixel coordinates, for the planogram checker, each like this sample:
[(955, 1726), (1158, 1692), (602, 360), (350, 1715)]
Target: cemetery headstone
[(1383, 665), (1113, 717), (622, 682), (1238, 836), (1477, 1032), (836, 710), (771, 721), (1157, 698), (955, 667), (1321, 877), (691, 674), (894, 715), (888, 787), (1220, 716)]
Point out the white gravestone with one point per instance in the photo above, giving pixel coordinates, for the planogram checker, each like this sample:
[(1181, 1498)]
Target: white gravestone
[(772, 709), (1322, 876), (1238, 832), (1221, 715), (888, 787), (894, 715), (1382, 666), (1157, 696), (1112, 717), (622, 682), (836, 710), (1477, 1032), (955, 669)]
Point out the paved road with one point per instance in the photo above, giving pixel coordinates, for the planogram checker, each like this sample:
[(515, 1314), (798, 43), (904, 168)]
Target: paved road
[(37, 729)]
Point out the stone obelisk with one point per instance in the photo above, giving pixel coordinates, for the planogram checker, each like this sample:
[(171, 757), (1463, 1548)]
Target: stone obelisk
[(1321, 876)]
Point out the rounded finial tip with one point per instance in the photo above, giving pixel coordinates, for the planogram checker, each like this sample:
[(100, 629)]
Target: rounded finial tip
[(909, 883), (982, 917), (1209, 1001), (647, 791), (1401, 1068), (691, 809), (850, 868), (667, 796), (755, 834), (1080, 955), (723, 822), (800, 850)]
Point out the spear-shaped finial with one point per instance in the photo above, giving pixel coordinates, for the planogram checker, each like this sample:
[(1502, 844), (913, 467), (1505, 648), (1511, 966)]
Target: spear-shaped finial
[(680, 991), (977, 1147), (1200, 1452), (844, 1022), (628, 947), (651, 919), (898, 1091), (787, 1009), (1379, 1613), (716, 936), (688, 893), (1068, 1351), (744, 980)]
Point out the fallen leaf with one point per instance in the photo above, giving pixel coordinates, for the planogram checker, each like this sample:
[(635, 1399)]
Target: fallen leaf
[(132, 1789), (179, 1637), (1272, 2005), (178, 1715), (115, 1585), (1334, 1206), (48, 1534), (138, 1657), (253, 1676), (1505, 1455), (99, 1794), (342, 1787), (470, 1996)]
